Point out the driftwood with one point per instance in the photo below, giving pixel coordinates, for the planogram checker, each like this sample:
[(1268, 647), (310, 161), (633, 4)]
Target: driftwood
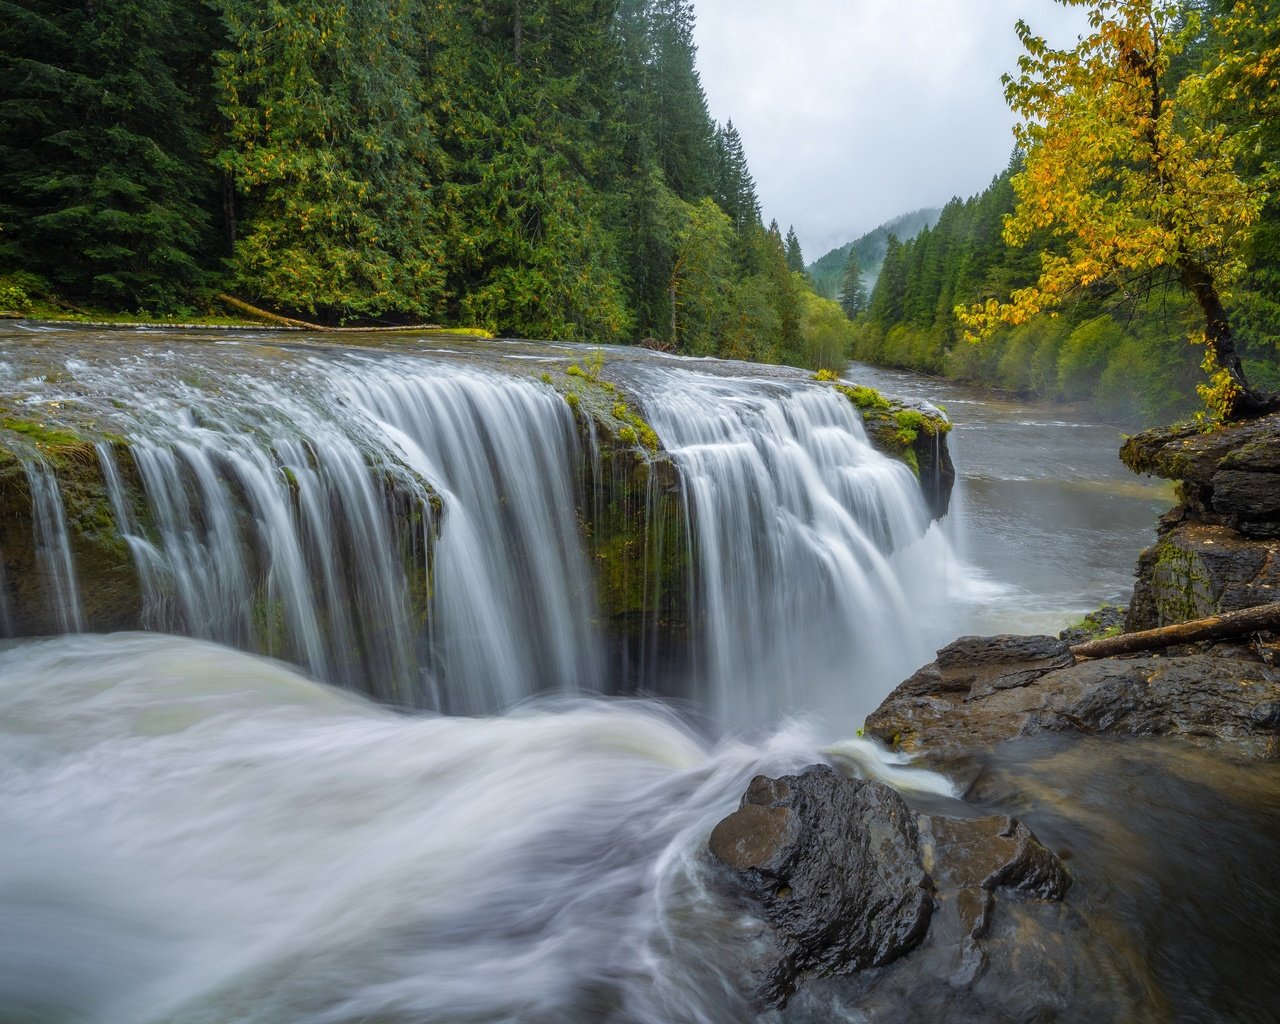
[(1216, 627)]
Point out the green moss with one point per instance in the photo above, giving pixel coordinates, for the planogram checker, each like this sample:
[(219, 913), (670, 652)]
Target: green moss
[(864, 397), (42, 435), (270, 630), (1181, 588), (455, 332), (634, 428), (826, 375), (572, 398), (634, 524)]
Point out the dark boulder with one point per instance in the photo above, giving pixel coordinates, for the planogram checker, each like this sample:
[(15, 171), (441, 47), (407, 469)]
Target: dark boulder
[(993, 853), (836, 868), (1198, 569), (1219, 548), (835, 864)]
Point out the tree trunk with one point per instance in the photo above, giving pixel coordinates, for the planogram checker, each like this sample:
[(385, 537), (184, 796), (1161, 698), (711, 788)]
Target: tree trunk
[(518, 32), (1249, 402)]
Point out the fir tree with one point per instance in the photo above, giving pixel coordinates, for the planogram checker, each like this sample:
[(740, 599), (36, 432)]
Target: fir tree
[(101, 185), (795, 258), (853, 291), (327, 141)]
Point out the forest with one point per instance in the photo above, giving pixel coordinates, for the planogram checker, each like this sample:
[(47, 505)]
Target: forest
[(542, 168)]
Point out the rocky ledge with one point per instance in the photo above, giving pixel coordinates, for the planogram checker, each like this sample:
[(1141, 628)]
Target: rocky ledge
[(984, 690), (1219, 548), (866, 903)]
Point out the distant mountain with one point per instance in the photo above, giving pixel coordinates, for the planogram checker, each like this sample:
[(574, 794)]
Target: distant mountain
[(828, 272)]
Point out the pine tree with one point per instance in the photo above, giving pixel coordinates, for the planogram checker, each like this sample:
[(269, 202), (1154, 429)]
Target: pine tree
[(735, 187), (853, 290), (889, 295), (518, 94), (683, 131), (795, 258), (101, 185)]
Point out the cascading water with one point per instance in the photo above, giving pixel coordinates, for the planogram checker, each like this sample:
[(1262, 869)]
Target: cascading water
[(817, 578), (53, 550), (513, 611), (191, 835), (194, 835), (299, 514), (415, 525)]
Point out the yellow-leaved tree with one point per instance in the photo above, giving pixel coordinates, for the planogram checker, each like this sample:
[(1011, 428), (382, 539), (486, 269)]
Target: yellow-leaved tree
[(1140, 178)]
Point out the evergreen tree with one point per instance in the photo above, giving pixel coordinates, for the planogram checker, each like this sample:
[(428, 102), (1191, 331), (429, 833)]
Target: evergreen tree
[(853, 291), (530, 253), (682, 128), (889, 297), (795, 258), (735, 187), (102, 188)]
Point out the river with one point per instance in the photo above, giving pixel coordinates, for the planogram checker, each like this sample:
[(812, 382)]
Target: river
[(1043, 509), (487, 831)]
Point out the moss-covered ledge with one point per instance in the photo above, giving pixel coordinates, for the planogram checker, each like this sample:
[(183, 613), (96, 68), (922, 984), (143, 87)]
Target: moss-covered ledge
[(31, 445), (913, 433)]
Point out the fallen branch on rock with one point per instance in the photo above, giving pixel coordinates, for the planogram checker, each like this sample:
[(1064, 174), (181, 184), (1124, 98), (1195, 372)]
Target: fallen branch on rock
[(1216, 627)]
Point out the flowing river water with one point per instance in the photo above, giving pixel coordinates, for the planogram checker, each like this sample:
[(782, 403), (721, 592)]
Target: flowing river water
[(495, 829)]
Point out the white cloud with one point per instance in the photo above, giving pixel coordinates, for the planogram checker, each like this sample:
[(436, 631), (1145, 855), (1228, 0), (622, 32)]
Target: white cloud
[(852, 112)]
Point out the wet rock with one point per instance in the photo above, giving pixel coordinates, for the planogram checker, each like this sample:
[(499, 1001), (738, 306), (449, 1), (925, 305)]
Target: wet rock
[(893, 916), (989, 854), (835, 865), (1248, 498), (1187, 453), (1198, 569), (1218, 549), (973, 666), (1209, 697), (1108, 619)]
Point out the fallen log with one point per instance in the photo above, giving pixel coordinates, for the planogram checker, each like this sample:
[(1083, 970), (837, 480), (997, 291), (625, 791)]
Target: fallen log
[(271, 318), (1226, 626), (303, 325)]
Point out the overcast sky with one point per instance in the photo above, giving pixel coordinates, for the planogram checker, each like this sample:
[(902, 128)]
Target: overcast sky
[(853, 111)]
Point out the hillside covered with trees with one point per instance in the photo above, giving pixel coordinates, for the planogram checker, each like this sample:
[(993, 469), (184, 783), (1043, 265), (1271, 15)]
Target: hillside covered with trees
[(546, 168), (1082, 265), (827, 273)]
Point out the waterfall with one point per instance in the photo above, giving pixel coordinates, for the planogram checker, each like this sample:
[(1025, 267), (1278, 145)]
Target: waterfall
[(192, 834), (53, 548), (816, 578), (513, 603), (302, 518), (444, 530)]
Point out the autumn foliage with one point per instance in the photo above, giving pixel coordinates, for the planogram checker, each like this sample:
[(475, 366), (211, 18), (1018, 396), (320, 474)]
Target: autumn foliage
[(1143, 181)]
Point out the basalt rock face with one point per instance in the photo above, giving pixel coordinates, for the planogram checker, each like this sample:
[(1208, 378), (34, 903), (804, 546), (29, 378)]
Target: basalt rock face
[(1219, 548), (865, 899), (978, 693)]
